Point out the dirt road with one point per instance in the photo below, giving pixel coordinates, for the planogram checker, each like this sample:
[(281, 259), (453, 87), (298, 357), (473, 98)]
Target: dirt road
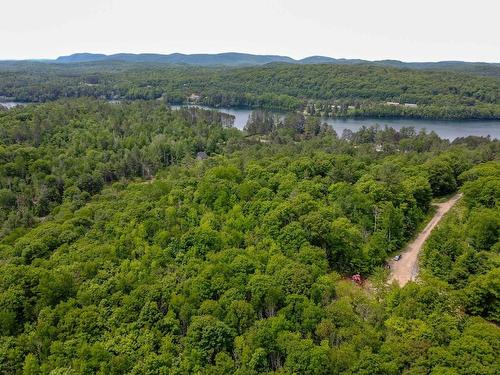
[(406, 269)]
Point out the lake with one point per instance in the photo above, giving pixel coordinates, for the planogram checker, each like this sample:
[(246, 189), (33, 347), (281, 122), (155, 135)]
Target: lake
[(445, 129)]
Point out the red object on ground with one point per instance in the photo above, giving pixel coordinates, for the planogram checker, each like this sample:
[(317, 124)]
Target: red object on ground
[(357, 279)]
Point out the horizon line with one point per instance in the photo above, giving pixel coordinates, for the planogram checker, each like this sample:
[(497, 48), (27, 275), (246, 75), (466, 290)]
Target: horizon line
[(49, 59)]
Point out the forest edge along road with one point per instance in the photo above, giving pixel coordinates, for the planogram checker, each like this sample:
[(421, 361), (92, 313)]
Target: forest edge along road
[(406, 269)]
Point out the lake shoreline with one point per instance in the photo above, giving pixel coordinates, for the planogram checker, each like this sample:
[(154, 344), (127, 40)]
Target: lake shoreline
[(447, 129), (346, 116), (281, 110), (444, 128)]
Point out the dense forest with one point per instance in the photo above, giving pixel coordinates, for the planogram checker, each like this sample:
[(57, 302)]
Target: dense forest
[(140, 239), (319, 89), (463, 251)]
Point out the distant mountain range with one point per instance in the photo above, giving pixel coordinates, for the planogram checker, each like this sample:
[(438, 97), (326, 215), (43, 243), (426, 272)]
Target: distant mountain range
[(234, 59), (238, 59)]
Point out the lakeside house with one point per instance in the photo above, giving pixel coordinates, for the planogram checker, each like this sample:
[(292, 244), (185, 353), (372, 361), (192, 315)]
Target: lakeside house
[(397, 104), (193, 98)]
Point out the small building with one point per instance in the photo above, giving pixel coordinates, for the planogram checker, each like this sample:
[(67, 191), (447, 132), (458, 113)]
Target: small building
[(193, 98), (411, 105)]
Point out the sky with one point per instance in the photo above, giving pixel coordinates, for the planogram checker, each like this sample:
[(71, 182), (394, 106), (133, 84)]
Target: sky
[(418, 30)]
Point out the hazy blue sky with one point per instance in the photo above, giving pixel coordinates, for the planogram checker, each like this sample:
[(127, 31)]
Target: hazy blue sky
[(418, 30)]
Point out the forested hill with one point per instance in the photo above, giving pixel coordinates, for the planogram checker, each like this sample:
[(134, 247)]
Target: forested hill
[(246, 59), (137, 239), (319, 89), (231, 58)]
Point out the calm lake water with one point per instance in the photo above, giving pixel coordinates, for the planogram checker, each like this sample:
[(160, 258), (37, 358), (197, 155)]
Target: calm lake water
[(445, 129)]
